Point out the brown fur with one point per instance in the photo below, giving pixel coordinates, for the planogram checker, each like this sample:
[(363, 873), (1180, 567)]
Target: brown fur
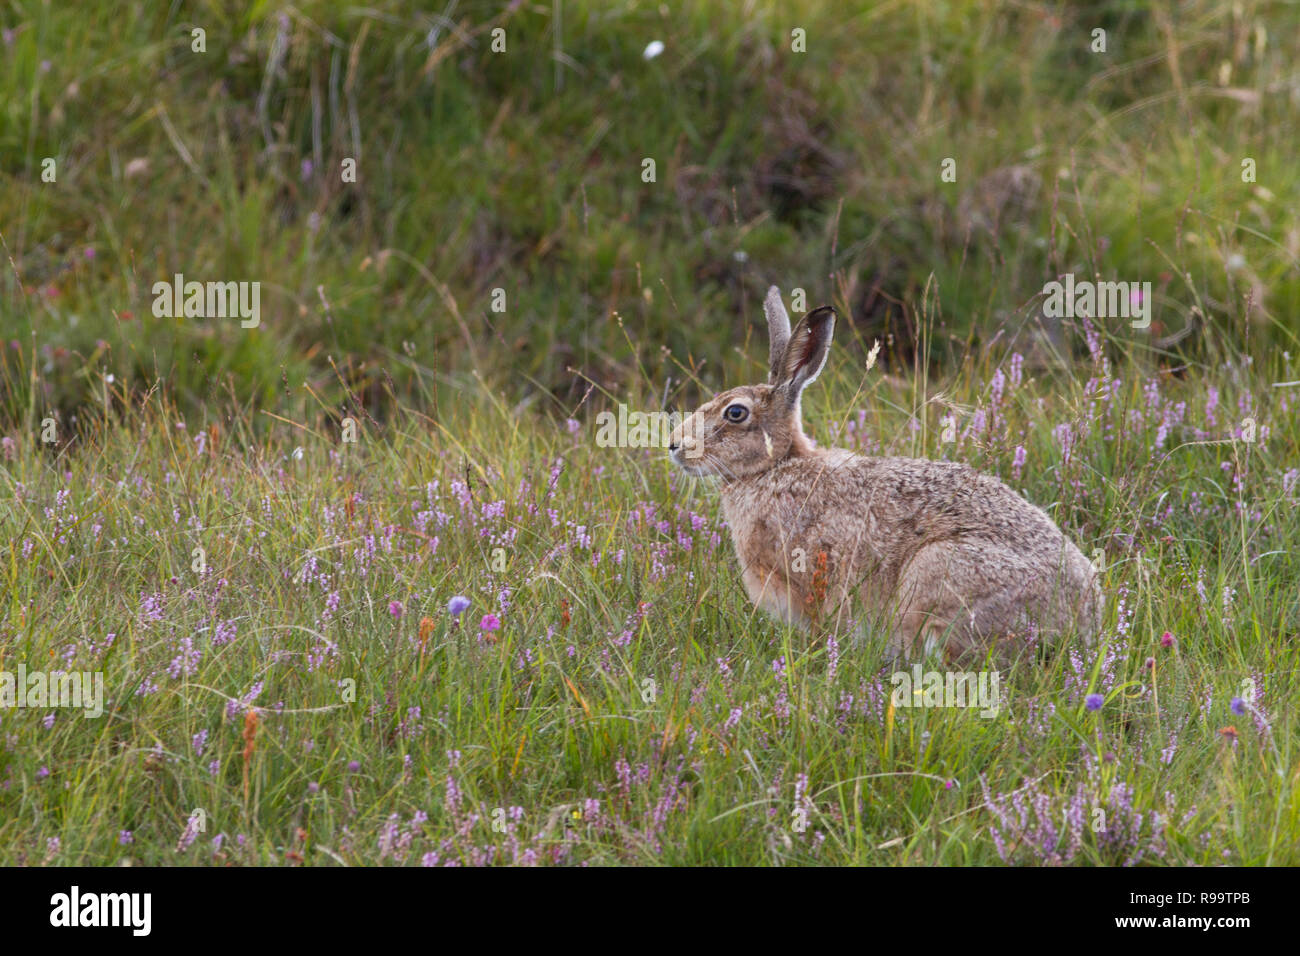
[(950, 557)]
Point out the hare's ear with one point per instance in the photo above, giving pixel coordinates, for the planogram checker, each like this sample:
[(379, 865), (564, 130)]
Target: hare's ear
[(805, 355), (778, 332)]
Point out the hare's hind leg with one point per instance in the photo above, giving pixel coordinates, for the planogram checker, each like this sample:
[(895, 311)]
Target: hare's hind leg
[(917, 632), (957, 596)]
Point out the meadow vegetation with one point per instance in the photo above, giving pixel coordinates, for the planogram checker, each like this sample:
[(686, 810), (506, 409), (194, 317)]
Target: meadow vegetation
[(287, 677)]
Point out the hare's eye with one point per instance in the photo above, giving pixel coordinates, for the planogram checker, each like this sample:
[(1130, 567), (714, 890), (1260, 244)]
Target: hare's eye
[(735, 413)]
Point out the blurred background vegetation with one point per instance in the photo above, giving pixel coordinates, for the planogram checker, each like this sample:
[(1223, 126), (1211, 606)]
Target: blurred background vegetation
[(522, 171)]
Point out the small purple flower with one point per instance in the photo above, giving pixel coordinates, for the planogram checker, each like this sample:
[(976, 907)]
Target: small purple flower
[(458, 605), (1166, 639), (126, 837), (490, 622), (1018, 462), (1065, 437), (395, 608), (1094, 701), (1237, 706), (189, 834), (354, 766)]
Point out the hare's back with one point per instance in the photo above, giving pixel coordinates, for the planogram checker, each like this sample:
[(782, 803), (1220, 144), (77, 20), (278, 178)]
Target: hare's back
[(942, 499)]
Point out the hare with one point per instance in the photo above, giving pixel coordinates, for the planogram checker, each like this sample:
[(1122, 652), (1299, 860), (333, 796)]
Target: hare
[(952, 559)]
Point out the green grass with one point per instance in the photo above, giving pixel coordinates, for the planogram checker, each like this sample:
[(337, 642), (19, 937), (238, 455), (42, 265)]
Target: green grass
[(521, 171), (629, 668)]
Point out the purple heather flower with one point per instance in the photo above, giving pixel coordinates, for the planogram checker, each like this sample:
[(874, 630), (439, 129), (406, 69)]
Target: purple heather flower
[(1166, 639), (1237, 706), (1065, 437), (189, 834), (458, 605), (1094, 701), (395, 608), (353, 766), (490, 622)]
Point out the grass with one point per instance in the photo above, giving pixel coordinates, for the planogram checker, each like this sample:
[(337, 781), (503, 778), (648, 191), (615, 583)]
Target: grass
[(522, 171), (268, 603)]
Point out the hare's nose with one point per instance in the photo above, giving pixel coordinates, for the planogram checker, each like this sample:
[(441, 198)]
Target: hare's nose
[(673, 446)]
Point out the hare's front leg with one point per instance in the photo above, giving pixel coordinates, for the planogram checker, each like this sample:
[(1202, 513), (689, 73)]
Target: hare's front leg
[(770, 591)]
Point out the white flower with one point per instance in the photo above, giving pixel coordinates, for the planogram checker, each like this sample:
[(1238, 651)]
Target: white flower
[(653, 49)]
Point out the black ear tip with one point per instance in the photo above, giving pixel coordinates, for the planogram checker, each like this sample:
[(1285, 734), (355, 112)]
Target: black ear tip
[(820, 315)]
